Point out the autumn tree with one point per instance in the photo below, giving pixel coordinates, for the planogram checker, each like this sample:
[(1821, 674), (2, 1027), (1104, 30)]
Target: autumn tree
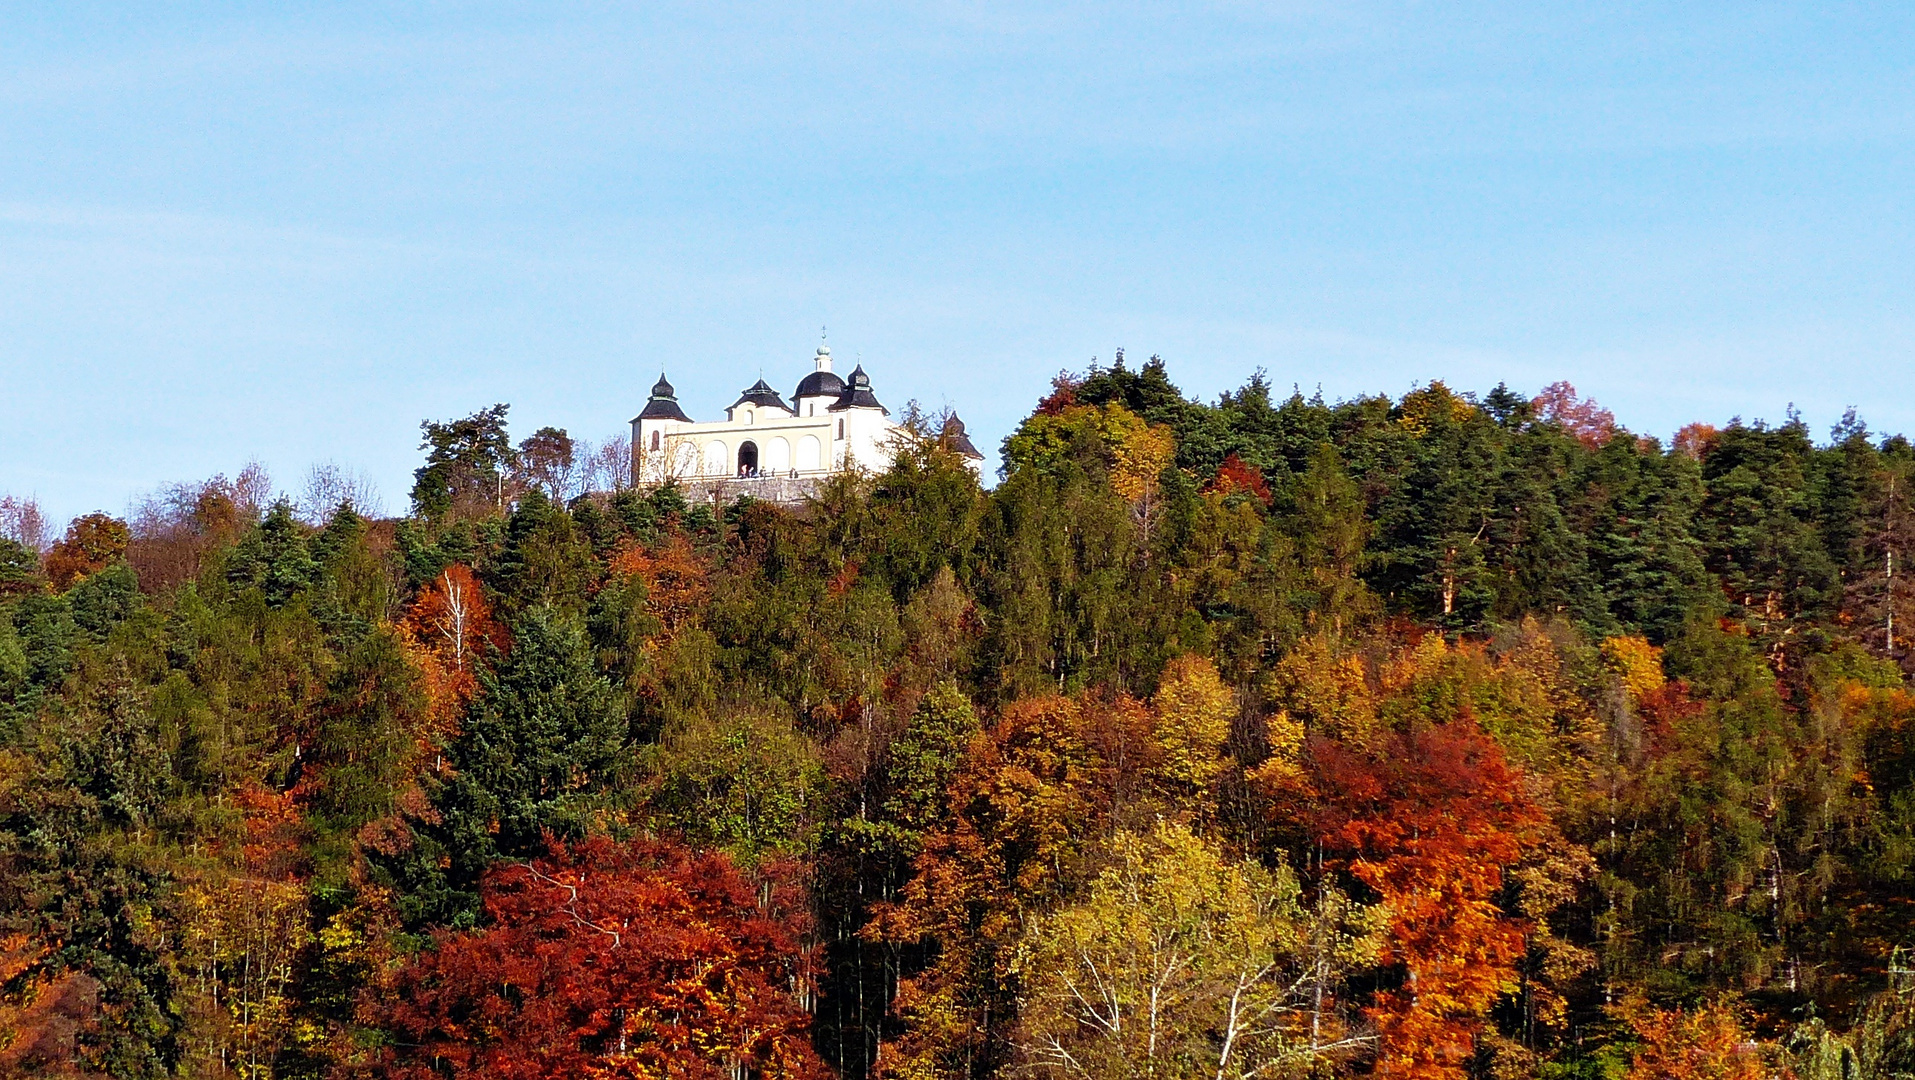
[(330, 486), (1030, 808), (1705, 1043), (450, 635), (548, 461), (1429, 819), (1590, 423), (606, 959), (1193, 713), (1235, 478), (177, 528), (673, 581), (23, 522), (90, 543), (241, 937), (1180, 963)]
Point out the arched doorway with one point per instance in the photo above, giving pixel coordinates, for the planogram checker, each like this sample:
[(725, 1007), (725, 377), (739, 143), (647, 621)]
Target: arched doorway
[(748, 459)]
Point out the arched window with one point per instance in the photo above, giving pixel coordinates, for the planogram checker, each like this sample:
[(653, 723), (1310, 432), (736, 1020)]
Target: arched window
[(748, 459), (654, 440)]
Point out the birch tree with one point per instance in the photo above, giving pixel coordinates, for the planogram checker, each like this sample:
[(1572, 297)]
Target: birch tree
[(1178, 963)]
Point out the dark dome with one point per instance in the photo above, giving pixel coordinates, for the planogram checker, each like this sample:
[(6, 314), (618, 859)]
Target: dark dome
[(761, 394), (857, 394), (663, 404), (957, 441), (819, 384)]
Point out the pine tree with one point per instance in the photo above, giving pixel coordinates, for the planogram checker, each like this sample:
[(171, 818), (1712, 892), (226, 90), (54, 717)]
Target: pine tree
[(538, 753)]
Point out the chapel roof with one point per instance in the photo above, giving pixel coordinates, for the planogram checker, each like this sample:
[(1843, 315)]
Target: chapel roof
[(957, 441), (663, 404), (761, 394), (820, 383), (857, 394)]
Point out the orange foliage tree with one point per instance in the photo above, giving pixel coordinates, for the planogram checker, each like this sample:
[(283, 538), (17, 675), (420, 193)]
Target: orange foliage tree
[(1694, 440), (1234, 477), (1429, 819), (675, 583), (641, 959), (448, 633), (1709, 1043), (1035, 793), (90, 543)]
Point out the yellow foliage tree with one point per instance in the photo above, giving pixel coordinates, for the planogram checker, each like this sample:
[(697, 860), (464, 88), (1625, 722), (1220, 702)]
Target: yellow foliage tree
[(1194, 709), (1178, 963), (1140, 453), (1636, 662), (1432, 406), (240, 938), (1328, 691), (1136, 451)]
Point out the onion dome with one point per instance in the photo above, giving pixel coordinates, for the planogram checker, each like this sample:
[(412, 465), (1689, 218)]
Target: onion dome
[(857, 394), (956, 441), (663, 404), (821, 382), (762, 395)]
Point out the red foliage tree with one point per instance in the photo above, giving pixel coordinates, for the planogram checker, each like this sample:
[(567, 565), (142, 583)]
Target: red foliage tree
[(1429, 819), (641, 959), (1234, 476), (1063, 395)]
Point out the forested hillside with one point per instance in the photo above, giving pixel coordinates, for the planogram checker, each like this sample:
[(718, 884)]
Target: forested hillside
[(1445, 736)]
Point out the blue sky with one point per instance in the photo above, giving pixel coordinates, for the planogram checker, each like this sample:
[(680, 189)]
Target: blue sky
[(291, 232)]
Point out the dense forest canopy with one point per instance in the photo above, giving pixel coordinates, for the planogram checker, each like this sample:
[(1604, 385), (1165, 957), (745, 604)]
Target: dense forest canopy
[(1439, 736)]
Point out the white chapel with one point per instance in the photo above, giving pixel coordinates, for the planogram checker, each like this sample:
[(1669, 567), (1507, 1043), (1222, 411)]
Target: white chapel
[(768, 447)]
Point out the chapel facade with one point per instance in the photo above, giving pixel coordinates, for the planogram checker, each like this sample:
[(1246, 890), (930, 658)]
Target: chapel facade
[(768, 447)]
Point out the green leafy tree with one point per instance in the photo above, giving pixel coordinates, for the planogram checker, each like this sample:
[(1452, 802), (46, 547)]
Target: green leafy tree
[(1757, 527), (85, 884), (867, 857), (1327, 519), (105, 599), (746, 784), (1639, 511), (19, 569)]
